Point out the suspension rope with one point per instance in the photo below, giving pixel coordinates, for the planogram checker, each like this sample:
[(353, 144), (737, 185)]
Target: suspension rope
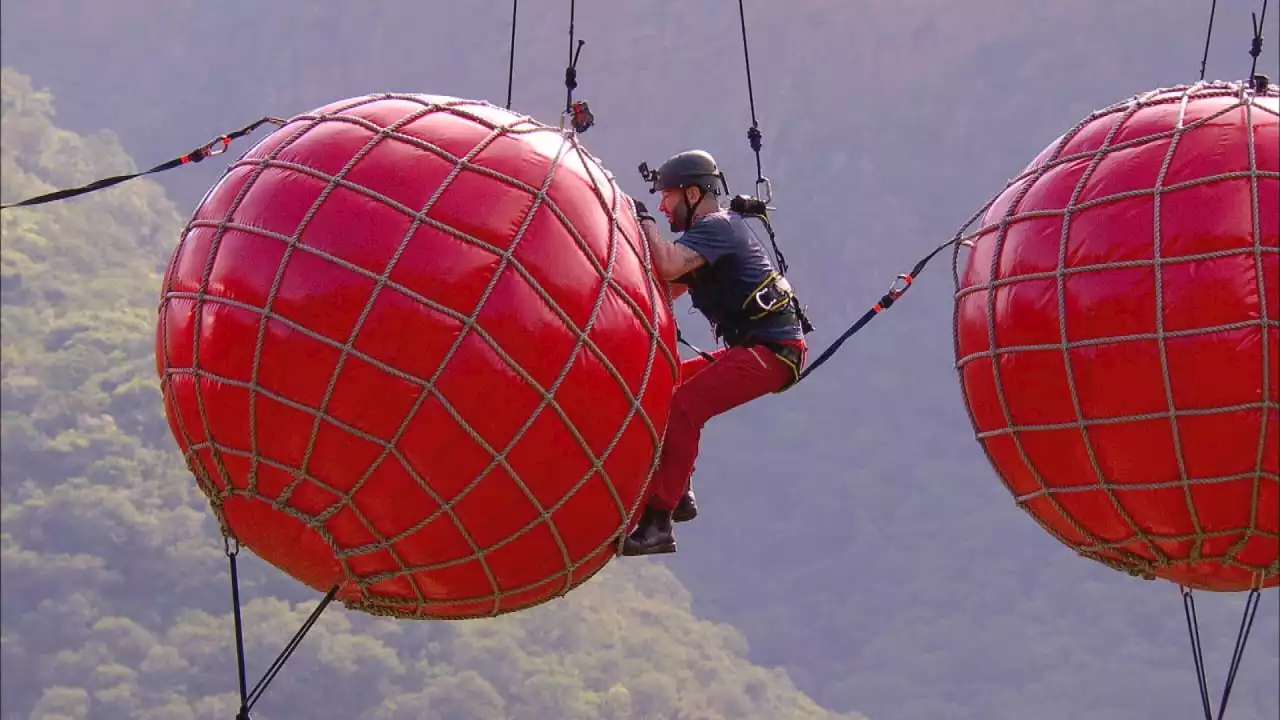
[(232, 548), (209, 149), (571, 70), (511, 57), (754, 136), (1255, 47), (1197, 650), (578, 112), (758, 205), (1213, 9), (250, 698)]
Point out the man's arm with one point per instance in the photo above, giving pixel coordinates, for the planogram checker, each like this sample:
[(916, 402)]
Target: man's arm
[(671, 260)]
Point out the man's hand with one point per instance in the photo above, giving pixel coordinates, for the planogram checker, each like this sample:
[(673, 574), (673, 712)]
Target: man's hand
[(642, 212), (671, 260)]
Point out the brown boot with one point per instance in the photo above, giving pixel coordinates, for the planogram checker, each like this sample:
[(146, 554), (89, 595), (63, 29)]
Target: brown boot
[(653, 535)]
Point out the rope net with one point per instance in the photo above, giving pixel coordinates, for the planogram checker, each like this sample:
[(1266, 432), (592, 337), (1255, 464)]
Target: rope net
[(1116, 324), (413, 345)]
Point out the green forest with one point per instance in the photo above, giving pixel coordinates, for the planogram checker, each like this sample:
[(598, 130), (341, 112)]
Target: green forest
[(116, 586), (854, 551)]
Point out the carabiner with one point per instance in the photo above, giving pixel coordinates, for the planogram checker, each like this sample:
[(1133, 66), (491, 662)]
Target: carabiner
[(768, 191), (896, 293), (208, 150)]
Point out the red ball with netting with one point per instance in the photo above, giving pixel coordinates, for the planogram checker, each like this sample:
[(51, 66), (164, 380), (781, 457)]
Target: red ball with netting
[(1116, 336), (413, 346)]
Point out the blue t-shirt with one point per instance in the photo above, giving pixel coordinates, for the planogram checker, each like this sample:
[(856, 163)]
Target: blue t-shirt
[(737, 265)]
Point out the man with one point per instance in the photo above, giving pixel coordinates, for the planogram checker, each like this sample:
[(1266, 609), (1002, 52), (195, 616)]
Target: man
[(732, 280)]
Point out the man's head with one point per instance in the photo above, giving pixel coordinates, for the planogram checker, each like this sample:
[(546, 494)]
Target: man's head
[(690, 183)]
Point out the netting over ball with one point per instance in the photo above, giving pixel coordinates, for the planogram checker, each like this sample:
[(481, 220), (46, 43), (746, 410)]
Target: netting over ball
[(413, 345), (1117, 316)]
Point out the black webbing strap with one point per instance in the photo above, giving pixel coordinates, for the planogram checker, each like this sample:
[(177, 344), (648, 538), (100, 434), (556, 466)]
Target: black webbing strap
[(1197, 651), (249, 698), (885, 303), (207, 150)]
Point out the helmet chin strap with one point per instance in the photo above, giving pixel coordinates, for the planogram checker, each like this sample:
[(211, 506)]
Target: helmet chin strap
[(689, 210)]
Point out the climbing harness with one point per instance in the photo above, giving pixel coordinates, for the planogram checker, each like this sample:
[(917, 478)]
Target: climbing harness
[(774, 297)]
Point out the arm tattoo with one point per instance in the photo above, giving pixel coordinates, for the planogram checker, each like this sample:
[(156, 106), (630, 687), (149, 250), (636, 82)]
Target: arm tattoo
[(685, 260)]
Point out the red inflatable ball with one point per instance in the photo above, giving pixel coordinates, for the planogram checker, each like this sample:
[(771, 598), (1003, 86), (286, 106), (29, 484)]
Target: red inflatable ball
[(1117, 321), (413, 346)]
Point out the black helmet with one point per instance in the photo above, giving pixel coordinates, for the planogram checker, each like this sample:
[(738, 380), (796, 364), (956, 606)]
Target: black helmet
[(690, 168)]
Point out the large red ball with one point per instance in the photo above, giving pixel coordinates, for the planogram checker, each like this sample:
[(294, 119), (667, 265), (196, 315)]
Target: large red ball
[(1116, 336), (413, 345)]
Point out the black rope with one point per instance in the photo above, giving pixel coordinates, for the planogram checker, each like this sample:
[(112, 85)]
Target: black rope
[(1242, 637), (250, 698), (207, 150), (579, 112), (511, 59), (294, 642), (232, 552), (754, 135), (680, 338), (1197, 650), (1213, 9), (899, 287), (885, 303), (1255, 47), (571, 70)]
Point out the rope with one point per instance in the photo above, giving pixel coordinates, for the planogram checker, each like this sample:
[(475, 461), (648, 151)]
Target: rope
[(571, 70), (232, 549), (209, 149), (886, 301), (1255, 47), (205, 455), (250, 698), (1213, 9), (1119, 553), (1197, 650), (754, 136), (511, 57)]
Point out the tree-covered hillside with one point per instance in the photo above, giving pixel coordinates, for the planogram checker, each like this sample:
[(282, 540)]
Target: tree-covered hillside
[(116, 598), (851, 528)]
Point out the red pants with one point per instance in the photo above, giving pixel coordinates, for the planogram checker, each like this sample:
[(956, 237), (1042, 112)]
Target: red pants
[(708, 388)]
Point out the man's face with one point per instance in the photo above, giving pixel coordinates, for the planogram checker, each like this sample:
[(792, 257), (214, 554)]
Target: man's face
[(671, 205)]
